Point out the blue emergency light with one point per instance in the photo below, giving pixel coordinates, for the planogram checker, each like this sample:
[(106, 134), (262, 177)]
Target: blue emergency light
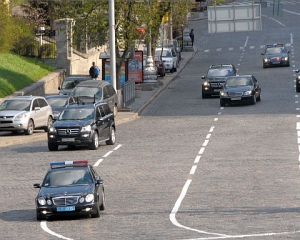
[(275, 45), (53, 164)]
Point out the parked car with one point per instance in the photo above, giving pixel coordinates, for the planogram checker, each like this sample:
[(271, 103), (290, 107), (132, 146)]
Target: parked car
[(160, 66), (59, 103), (172, 43), (83, 125), (70, 82), (240, 89), (275, 55), (70, 188), (215, 78), (169, 57), (25, 113), (93, 91), (297, 80)]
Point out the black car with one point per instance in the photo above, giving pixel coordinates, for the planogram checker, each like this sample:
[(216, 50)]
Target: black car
[(242, 88), (70, 82), (70, 188), (297, 80), (276, 55), (59, 103), (160, 67), (83, 125), (215, 78)]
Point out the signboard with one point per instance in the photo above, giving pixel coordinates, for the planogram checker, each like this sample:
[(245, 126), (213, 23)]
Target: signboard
[(135, 68), (106, 72), (234, 18)]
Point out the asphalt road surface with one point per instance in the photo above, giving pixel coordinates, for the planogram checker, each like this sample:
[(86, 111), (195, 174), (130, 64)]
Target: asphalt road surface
[(187, 168)]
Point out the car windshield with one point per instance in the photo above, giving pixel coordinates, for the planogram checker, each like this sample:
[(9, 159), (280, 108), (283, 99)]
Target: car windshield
[(87, 92), (67, 177), (71, 83), (236, 82), (275, 50), (76, 114), (57, 102), (224, 72), (20, 105), (164, 53)]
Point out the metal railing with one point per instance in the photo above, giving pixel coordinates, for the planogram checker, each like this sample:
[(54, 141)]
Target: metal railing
[(128, 93)]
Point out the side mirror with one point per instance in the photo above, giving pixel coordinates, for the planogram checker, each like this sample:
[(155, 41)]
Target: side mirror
[(37, 185), (262, 54), (203, 77)]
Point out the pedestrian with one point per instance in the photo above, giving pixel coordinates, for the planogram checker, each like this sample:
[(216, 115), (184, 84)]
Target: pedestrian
[(192, 36), (94, 71)]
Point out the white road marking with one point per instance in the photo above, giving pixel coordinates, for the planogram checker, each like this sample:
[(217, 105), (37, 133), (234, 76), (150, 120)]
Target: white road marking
[(193, 169), (46, 229), (197, 159), (98, 162), (205, 143), (108, 153), (208, 135), (201, 150)]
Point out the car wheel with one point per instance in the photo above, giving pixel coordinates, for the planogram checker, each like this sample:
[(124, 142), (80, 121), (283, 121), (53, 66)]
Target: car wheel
[(171, 70), (39, 217), (204, 95), (258, 98), (30, 128), (102, 206), (49, 123), (253, 100), (175, 69), (95, 142), (112, 137), (97, 214), (222, 103), (297, 89), (52, 147), (115, 110)]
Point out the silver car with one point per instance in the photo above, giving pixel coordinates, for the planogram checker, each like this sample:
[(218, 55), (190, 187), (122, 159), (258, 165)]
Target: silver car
[(25, 113)]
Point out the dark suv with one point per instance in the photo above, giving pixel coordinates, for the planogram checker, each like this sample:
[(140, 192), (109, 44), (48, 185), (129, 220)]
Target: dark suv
[(87, 125), (215, 78)]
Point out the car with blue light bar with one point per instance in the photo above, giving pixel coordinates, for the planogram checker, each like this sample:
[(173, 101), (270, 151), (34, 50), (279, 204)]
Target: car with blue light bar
[(83, 125), (276, 55), (70, 188)]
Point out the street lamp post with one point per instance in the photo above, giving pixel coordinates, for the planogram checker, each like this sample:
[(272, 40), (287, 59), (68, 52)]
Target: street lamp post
[(182, 37)]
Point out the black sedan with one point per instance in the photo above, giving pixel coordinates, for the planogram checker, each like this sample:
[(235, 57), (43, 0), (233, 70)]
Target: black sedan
[(297, 80), (276, 55), (70, 188), (59, 103), (240, 89)]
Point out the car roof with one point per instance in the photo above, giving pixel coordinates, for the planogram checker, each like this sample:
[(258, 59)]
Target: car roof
[(93, 83), (25, 98), (86, 105), (241, 76), (70, 77), (221, 66), (164, 48), (57, 96)]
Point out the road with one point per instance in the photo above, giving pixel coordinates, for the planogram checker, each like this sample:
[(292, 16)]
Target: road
[(187, 168)]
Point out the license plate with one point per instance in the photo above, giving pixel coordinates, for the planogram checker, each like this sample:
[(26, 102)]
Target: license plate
[(66, 209), (4, 124), (68, 139), (216, 90), (236, 98)]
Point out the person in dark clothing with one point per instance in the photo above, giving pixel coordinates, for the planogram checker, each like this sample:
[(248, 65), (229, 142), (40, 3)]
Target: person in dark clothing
[(93, 71), (192, 36)]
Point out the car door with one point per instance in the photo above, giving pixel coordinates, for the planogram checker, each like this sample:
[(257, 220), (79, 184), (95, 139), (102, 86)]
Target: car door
[(175, 59), (108, 98), (102, 123), (37, 114), (256, 86), (44, 110)]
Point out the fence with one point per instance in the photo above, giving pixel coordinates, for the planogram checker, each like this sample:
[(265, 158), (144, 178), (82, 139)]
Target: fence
[(128, 93)]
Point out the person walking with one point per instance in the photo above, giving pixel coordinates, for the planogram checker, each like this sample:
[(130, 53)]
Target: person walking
[(192, 36), (94, 71)]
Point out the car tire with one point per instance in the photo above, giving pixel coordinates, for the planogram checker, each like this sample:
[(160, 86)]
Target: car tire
[(258, 98), (112, 137), (49, 123), (97, 214), (30, 128), (52, 147), (102, 206), (222, 103), (175, 69), (204, 95), (297, 89), (253, 100), (95, 142)]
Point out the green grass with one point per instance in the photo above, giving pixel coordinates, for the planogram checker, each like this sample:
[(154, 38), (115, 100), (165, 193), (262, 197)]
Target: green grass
[(17, 72)]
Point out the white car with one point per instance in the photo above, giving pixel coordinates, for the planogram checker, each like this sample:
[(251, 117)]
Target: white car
[(25, 113), (169, 57)]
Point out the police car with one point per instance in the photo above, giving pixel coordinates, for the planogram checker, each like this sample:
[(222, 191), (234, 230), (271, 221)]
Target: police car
[(275, 55), (70, 188)]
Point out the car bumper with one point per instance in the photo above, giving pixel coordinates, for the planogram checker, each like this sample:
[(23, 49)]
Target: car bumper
[(211, 91), (168, 66), (275, 64), (16, 126), (51, 211), (232, 100), (82, 139)]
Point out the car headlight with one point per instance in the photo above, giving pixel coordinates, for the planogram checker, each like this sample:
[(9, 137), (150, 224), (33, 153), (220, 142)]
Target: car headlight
[(21, 115), (206, 83), (247, 93), (223, 94), (52, 129), (298, 77), (266, 60), (86, 128), (89, 198), (285, 58), (42, 201)]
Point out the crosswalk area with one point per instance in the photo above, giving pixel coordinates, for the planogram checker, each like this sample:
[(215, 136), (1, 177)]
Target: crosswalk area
[(240, 48)]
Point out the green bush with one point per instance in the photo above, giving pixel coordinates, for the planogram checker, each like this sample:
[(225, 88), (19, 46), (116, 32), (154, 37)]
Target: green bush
[(48, 50)]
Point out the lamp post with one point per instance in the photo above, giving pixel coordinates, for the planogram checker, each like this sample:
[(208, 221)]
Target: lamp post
[(181, 37)]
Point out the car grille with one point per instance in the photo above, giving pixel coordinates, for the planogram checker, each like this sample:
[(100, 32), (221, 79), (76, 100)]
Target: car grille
[(276, 59), (68, 131), (217, 85), (235, 94), (6, 119), (65, 201)]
